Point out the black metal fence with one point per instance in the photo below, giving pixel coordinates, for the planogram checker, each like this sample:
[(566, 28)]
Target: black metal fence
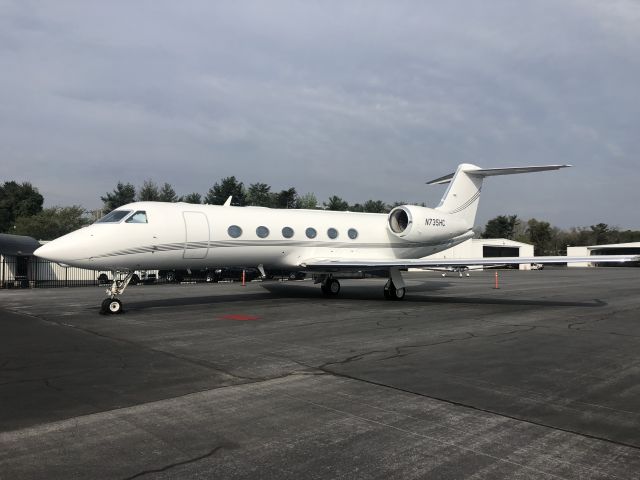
[(33, 272)]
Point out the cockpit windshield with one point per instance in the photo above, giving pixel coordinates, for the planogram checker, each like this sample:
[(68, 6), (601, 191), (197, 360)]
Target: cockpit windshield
[(114, 217), (139, 217)]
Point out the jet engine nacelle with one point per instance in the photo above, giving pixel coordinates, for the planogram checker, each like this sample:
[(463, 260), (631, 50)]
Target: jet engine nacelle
[(422, 224)]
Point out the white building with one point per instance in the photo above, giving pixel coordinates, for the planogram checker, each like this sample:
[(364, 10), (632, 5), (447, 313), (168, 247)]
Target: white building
[(611, 249), (488, 248)]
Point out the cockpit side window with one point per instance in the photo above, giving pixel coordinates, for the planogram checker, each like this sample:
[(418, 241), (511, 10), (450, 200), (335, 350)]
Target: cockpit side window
[(139, 217), (114, 217)]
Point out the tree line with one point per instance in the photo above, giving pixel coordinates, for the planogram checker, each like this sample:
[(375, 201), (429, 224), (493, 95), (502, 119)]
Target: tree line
[(256, 194), (22, 212), (548, 240)]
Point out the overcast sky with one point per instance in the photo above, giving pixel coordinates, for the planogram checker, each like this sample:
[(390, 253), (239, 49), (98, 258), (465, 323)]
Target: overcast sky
[(362, 99)]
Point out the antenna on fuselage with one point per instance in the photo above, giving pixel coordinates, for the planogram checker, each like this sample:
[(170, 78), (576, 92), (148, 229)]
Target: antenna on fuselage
[(228, 202)]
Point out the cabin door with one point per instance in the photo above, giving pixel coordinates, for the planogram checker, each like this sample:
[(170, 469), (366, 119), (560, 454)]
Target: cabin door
[(196, 244)]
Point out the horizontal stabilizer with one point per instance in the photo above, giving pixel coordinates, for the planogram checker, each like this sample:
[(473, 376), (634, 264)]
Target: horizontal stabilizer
[(490, 172)]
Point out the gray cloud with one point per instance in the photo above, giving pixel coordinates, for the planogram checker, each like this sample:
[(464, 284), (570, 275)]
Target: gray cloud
[(360, 99)]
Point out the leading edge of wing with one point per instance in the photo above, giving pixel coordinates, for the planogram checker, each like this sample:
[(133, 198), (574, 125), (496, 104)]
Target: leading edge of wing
[(339, 264)]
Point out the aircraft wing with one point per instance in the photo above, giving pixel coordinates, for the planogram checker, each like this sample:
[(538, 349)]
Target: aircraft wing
[(330, 265)]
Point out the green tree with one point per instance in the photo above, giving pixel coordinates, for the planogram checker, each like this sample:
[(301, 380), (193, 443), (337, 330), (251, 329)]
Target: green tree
[(167, 194), (192, 198), (227, 187), (540, 235), (17, 200), (375, 206), (121, 195), (259, 195), (149, 192), (308, 201), (628, 236), (601, 234), (52, 222), (336, 203), (287, 198), (503, 226)]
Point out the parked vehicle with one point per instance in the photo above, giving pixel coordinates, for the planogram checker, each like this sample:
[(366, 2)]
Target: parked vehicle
[(288, 274), (209, 275), (140, 276)]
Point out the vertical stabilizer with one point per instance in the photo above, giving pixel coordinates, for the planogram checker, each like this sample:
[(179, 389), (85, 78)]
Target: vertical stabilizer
[(463, 194)]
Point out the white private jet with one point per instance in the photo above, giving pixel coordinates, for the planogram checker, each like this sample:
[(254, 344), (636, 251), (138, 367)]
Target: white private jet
[(156, 235)]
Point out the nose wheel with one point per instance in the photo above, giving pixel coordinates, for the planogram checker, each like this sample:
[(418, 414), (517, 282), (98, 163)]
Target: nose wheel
[(112, 305)]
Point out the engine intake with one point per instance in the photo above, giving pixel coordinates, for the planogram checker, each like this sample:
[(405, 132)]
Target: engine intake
[(399, 220), (422, 224)]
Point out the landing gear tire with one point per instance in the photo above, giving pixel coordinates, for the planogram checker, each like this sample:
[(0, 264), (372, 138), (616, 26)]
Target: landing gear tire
[(104, 308), (111, 306), (331, 287), (393, 293)]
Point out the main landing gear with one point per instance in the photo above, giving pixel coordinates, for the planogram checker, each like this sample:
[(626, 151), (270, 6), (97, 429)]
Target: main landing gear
[(330, 287), (391, 292), (394, 289), (112, 305)]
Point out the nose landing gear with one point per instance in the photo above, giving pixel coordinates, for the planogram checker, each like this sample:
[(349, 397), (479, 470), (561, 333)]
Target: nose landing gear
[(112, 305)]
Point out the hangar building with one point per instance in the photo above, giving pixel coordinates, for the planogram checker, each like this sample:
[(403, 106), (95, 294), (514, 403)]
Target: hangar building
[(611, 249), (20, 269), (16, 255), (489, 248)]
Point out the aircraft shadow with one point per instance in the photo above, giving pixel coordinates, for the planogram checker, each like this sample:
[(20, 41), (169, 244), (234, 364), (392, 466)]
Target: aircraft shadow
[(374, 293), (424, 293), (508, 302), (189, 301)]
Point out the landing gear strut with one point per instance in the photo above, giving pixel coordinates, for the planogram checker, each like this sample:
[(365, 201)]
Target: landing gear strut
[(391, 292), (112, 305), (394, 288)]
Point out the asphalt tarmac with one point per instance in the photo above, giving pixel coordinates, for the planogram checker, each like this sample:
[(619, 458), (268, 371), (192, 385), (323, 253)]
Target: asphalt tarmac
[(537, 379)]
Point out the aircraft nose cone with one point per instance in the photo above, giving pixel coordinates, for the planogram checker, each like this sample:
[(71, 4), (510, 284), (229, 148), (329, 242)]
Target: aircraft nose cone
[(64, 249), (52, 251)]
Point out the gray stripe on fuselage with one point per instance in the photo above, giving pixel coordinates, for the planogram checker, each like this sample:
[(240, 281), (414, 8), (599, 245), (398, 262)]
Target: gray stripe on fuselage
[(171, 247)]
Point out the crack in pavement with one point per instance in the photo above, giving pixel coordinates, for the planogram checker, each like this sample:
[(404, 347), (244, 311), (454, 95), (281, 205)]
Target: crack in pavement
[(399, 353), (353, 358), (210, 453), (470, 335)]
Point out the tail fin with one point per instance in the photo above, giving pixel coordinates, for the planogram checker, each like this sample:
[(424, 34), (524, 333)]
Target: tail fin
[(463, 194)]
